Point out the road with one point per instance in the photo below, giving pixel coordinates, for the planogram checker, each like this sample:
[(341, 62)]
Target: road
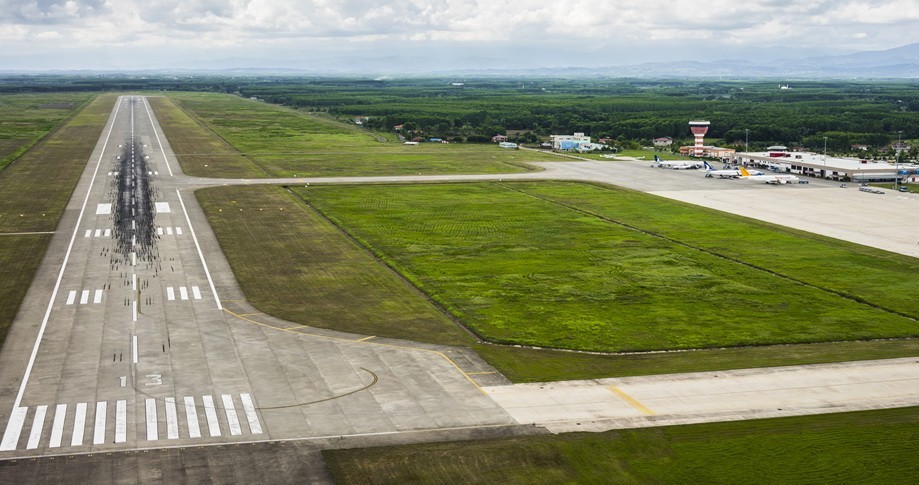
[(135, 334)]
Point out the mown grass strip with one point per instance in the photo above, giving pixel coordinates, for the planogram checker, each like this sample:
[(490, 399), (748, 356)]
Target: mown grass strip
[(520, 270), (34, 190), (289, 143), (860, 447), (27, 118), (200, 151), (295, 265)]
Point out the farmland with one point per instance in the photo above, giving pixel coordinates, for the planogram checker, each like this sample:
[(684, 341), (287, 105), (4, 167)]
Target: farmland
[(268, 140), (861, 447)]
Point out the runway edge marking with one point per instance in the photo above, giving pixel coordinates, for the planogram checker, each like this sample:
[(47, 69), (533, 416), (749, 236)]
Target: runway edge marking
[(157, 135), (194, 238), (57, 284)]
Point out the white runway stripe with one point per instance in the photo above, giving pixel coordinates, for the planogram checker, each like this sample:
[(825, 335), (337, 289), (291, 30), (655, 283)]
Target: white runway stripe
[(98, 233), (191, 415), (196, 292), (89, 232), (13, 429), (38, 424), (210, 412), (97, 298), (183, 293), (159, 231), (84, 297), (179, 231), (121, 424), (71, 297), (169, 231), (107, 233), (152, 430), (251, 416), (79, 425), (57, 427), (99, 429), (170, 293), (172, 419), (103, 209), (232, 418)]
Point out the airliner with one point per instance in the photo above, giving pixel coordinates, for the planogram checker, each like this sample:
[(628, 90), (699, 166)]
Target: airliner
[(731, 173), (674, 164), (775, 179)]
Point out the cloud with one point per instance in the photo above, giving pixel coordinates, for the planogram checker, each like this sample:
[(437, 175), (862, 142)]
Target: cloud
[(250, 24)]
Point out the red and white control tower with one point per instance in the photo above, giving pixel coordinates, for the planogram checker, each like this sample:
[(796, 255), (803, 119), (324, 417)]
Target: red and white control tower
[(699, 129)]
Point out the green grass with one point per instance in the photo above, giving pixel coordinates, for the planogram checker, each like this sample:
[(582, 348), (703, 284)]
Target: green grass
[(34, 190), (20, 257), (27, 118), (286, 143), (277, 255), (862, 447), (293, 264), (520, 269)]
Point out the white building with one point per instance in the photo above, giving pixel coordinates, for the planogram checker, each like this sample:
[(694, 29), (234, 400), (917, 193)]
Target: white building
[(568, 142), (817, 165)]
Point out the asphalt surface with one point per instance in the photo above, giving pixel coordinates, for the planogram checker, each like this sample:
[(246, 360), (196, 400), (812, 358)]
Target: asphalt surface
[(135, 336)]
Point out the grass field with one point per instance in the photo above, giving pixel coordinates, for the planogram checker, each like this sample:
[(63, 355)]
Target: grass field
[(281, 142), (278, 285), (29, 203), (863, 447), (307, 272), (26, 118), (523, 263)]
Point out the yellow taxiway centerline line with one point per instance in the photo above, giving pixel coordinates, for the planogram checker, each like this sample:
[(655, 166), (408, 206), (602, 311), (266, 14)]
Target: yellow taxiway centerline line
[(631, 401)]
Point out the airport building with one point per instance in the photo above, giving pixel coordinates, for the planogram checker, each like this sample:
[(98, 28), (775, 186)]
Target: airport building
[(569, 142), (779, 159)]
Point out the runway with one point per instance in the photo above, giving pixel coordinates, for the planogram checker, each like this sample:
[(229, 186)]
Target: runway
[(135, 335)]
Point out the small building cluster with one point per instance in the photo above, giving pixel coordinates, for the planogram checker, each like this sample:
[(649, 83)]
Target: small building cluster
[(576, 142)]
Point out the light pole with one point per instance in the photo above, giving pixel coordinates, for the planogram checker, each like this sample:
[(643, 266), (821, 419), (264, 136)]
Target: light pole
[(899, 147)]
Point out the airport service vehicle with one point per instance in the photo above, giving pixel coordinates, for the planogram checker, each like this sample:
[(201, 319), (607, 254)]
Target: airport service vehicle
[(775, 179), (674, 164)]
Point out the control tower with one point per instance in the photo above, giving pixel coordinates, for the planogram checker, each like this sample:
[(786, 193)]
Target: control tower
[(699, 129)]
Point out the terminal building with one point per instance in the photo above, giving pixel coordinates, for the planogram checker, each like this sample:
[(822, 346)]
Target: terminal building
[(779, 159)]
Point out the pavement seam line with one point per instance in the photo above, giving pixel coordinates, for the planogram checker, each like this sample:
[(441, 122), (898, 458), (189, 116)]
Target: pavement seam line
[(365, 342), (631, 401)]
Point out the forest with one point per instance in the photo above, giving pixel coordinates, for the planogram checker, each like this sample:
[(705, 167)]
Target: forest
[(631, 111)]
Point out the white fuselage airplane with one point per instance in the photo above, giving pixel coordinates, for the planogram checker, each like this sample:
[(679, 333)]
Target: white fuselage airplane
[(674, 164), (728, 173), (775, 179)]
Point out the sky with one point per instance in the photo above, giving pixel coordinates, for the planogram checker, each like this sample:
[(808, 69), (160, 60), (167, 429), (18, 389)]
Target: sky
[(155, 34)]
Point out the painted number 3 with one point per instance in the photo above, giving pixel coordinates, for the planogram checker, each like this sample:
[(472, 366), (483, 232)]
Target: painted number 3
[(154, 379)]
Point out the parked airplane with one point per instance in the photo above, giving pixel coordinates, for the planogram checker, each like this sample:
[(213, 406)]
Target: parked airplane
[(776, 179), (674, 164), (728, 173)]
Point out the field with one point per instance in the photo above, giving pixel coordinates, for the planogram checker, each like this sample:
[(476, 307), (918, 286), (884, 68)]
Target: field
[(316, 276), (257, 139), (863, 447), (26, 118), (254, 238), (28, 203), (583, 267)]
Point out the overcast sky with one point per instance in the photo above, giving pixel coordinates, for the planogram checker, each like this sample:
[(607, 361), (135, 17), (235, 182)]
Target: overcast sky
[(100, 34)]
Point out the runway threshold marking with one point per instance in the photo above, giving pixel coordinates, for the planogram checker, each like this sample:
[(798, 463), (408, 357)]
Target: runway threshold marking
[(14, 426), (366, 342), (631, 401)]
